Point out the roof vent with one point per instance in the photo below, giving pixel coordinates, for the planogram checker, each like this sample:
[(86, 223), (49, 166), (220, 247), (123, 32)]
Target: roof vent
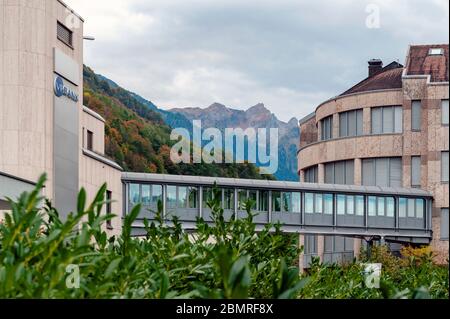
[(375, 66), (436, 51)]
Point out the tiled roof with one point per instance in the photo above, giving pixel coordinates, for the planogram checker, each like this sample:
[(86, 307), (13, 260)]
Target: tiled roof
[(390, 77), (420, 62)]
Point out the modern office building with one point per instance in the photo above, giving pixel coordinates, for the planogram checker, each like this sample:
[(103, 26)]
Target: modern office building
[(391, 130), (44, 126)]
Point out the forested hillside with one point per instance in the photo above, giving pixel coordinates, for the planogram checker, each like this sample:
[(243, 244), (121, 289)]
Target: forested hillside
[(137, 137)]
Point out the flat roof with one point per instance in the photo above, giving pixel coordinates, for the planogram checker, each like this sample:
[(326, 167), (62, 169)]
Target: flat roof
[(70, 9), (281, 185)]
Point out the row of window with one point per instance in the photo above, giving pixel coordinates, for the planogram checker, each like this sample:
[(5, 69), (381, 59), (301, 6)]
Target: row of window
[(314, 203), (383, 171), (385, 119)]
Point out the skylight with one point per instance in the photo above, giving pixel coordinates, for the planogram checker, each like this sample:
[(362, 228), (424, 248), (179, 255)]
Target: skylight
[(436, 51)]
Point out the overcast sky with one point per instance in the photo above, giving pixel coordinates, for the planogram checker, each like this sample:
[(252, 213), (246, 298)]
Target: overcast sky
[(289, 55)]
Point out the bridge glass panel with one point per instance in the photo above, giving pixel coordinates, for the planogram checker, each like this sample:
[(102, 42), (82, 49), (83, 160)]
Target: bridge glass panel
[(228, 199), (276, 201), (328, 204), (192, 197), (402, 207), (242, 199), (182, 196), (380, 206), (340, 199), (264, 201), (156, 193), (171, 196), (134, 195), (390, 206), (350, 205), (419, 208), (359, 205), (372, 205), (287, 202), (207, 196), (296, 202), (411, 207), (319, 204), (146, 194), (253, 195), (309, 203)]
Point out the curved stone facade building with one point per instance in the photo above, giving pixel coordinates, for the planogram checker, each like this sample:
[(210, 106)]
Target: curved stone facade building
[(391, 129)]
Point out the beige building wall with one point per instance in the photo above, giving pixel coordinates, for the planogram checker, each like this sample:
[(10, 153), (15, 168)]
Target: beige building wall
[(94, 173), (27, 40), (429, 142)]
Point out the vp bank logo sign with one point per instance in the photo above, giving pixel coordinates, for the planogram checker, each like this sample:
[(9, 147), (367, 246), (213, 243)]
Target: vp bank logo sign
[(62, 90)]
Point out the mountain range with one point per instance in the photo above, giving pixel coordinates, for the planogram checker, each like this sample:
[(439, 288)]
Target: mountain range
[(220, 116)]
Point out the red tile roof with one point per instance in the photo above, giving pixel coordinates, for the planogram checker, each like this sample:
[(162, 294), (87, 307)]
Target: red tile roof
[(390, 77), (419, 62)]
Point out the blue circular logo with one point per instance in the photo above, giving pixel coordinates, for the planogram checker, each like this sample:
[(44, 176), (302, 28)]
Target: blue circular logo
[(59, 86)]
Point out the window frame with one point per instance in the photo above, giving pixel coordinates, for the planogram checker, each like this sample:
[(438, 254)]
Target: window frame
[(444, 181), (414, 158), (442, 112), (413, 127)]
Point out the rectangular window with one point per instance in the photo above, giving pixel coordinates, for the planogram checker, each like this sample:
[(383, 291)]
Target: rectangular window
[(376, 119), (134, 193), (359, 205), (372, 205), (444, 112), (146, 194), (64, 34), (309, 203), (296, 200), (343, 123), (318, 207), (208, 196), (415, 171), (264, 201), (395, 172), (444, 224), (340, 199), (419, 208), (444, 166), (287, 202), (416, 115), (276, 201), (341, 172), (326, 126), (228, 198), (382, 172), (192, 197), (182, 197), (390, 206), (156, 194), (350, 205), (398, 119), (411, 209), (311, 174), (171, 198), (242, 199), (387, 119), (328, 204), (310, 244), (108, 208), (90, 140), (380, 206), (402, 207)]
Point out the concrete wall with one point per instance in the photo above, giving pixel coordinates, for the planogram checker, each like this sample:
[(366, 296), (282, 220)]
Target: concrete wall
[(27, 40)]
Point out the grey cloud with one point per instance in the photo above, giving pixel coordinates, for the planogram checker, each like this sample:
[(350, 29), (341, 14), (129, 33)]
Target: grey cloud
[(290, 54)]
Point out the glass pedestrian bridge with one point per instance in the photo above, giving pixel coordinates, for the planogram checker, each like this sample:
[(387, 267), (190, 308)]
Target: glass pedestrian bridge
[(391, 214)]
